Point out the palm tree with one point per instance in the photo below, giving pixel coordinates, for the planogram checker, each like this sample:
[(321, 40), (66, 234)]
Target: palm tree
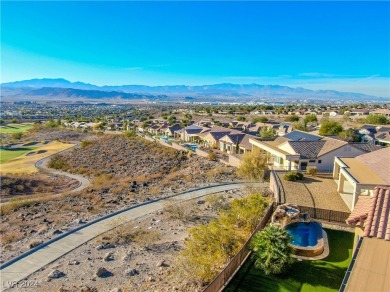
[(271, 249)]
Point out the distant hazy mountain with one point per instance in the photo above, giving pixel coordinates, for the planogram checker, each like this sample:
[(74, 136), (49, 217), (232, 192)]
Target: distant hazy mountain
[(224, 91)]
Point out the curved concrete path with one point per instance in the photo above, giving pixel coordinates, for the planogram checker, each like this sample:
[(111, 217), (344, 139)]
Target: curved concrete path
[(28, 263), (42, 166)]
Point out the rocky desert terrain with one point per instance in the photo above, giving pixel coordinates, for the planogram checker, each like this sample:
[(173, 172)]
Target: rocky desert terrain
[(124, 172)]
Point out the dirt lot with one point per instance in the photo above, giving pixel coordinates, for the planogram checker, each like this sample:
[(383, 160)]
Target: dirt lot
[(140, 256), (319, 191), (127, 175)]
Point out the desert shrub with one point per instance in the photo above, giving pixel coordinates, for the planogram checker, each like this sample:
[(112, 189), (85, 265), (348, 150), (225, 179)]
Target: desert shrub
[(209, 247), (311, 170), (14, 204), (217, 202), (17, 136), (179, 210), (11, 236), (293, 176), (212, 156), (145, 237), (244, 213), (130, 134), (253, 165), (85, 144), (57, 162)]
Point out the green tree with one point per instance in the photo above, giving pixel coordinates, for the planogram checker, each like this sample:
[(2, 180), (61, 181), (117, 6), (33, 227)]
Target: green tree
[(349, 135), (260, 120), (377, 120), (171, 120), (253, 165), (330, 128), (267, 132), (310, 119), (241, 119), (292, 119), (299, 126), (272, 251)]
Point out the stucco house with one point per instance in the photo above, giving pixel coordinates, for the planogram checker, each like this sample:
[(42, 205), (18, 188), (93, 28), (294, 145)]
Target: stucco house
[(298, 150), (369, 268), (170, 130), (360, 175), (191, 133), (236, 143)]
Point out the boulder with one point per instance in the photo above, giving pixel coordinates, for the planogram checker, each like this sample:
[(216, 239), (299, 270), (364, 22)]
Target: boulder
[(102, 273), (55, 274)]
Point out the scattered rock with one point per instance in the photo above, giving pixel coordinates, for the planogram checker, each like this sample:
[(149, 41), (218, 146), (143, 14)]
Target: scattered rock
[(132, 272), (78, 221), (128, 256), (57, 231), (103, 273), (108, 257), (74, 262), (116, 290), (55, 274), (35, 243), (105, 246), (200, 202), (162, 264)]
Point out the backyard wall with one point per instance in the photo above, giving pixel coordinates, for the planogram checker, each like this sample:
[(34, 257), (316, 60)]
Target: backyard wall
[(178, 147), (274, 186), (234, 160), (202, 153)]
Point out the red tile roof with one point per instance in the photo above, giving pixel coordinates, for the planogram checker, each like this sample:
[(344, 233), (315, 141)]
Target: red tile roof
[(373, 213)]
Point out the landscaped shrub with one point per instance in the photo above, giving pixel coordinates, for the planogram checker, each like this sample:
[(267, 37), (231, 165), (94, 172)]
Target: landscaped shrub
[(272, 251), (293, 176), (299, 175), (312, 170)]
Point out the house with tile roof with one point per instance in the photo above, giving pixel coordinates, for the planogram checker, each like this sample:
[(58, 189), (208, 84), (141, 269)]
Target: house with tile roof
[(360, 175), (236, 143), (191, 133), (210, 137), (298, 150), (170, 130), (370, 269)]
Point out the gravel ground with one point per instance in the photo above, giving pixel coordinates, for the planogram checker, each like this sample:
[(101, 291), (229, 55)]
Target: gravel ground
[(319, 191), (145, 263)]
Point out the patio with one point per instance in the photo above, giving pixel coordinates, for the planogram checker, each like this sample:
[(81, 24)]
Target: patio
[(319, 192)]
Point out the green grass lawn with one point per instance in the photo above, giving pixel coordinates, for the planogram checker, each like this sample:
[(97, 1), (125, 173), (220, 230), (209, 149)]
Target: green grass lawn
[(15, 128), (321, 275), (8, 154)]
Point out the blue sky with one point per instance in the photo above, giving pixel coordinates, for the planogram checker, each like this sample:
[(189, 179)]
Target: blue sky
[(319, 45)]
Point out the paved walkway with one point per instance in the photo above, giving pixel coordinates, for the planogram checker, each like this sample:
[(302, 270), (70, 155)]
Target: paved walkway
[(42, 166), (37, 258)]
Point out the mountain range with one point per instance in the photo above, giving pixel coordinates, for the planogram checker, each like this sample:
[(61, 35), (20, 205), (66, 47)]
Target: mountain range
[(61, 88)]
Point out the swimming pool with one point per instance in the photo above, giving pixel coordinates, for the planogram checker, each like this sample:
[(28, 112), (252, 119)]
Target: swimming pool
[(304, 234), (165, 139), (307, 238)]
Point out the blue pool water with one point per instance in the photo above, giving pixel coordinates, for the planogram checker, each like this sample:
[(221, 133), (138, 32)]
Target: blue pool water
[(304, 234), (165, 139)]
